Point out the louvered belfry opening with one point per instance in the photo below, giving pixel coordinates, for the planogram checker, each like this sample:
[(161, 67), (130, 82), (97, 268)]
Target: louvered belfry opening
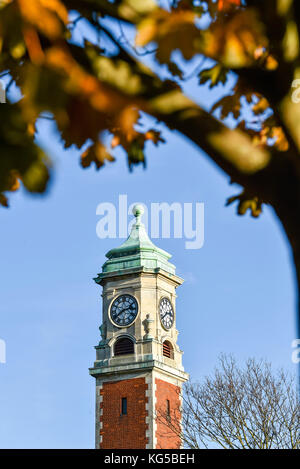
[(168, 350), (123, 346)]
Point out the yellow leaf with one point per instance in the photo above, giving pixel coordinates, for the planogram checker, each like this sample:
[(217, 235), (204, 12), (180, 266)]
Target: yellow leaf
[(235, 41), (146, 32), (271, 63), (175, 30)]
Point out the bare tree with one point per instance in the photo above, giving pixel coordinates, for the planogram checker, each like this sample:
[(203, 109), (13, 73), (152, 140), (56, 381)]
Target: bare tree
[(238, 408)]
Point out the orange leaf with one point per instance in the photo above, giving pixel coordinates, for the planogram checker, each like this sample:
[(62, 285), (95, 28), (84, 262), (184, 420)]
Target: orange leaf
[(224, 5), (281, 142), (48, 16), (155, 136), (115, 141), (33, 44), (127, 119)]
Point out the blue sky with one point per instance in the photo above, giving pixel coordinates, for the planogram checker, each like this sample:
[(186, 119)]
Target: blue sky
[(238, 296)]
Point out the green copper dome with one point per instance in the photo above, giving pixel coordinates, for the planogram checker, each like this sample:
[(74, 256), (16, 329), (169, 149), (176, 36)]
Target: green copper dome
[(136, 252)]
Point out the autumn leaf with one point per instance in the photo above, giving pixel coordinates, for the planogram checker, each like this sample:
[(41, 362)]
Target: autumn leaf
[(92, 87), (175, 30), (281, 142), (133, 141), (136, 153), (261, 106), (174, 69), (234, 41), (126, 121), (154, 136), (3, 200), (214, 75), (21, 159), (48, 16), (247, 201), (96, 153), (228, 105), (117, 73), (224, 5)]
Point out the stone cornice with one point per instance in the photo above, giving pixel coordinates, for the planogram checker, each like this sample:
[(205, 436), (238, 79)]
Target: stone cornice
[(138, 270), (150, 365)]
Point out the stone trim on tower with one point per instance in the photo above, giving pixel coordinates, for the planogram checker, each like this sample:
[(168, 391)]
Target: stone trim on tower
[(99, 411), (150, 406)]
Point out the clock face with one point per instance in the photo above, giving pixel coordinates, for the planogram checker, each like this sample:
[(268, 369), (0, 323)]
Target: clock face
[(124, 310), (166, 313)]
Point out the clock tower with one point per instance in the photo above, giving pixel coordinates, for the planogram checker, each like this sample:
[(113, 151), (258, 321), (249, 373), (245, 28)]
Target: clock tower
[(138, 367)]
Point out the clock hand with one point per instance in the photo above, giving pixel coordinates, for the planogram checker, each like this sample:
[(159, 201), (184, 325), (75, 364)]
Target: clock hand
[(167, 313), (124, 309)]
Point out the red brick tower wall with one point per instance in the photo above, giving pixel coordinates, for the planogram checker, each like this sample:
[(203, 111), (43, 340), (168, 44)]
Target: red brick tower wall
[(124, 431), (168, 427)]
